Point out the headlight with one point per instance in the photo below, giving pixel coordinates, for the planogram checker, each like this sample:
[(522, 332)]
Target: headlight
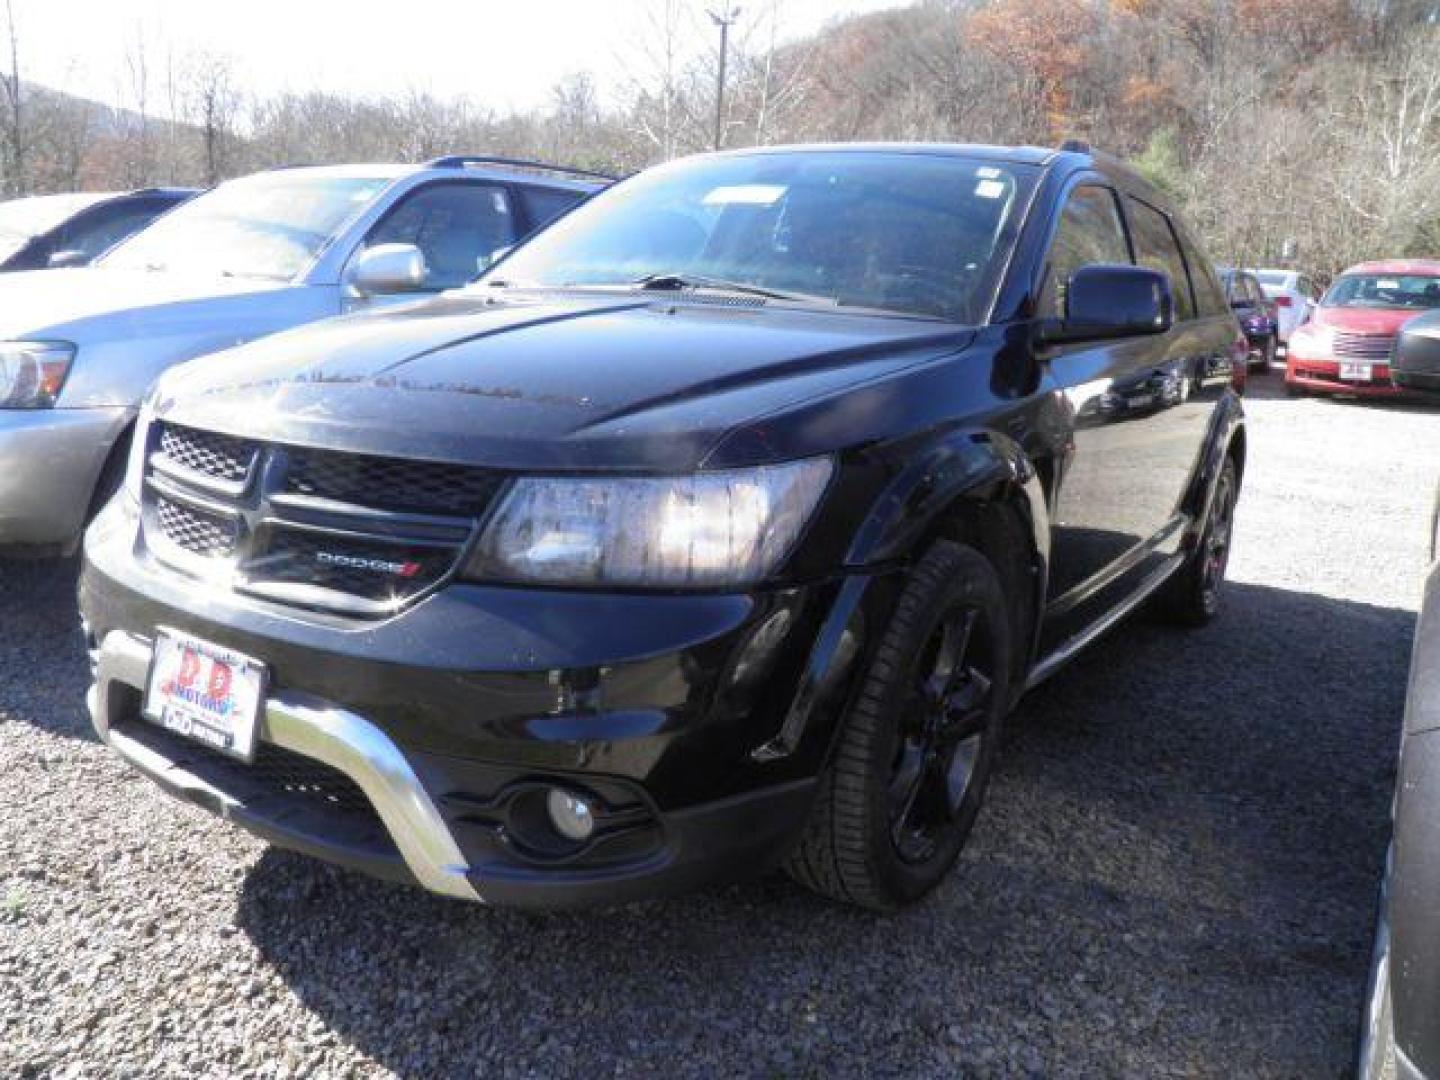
[(1311, 342), (704, 530), (32, 372)]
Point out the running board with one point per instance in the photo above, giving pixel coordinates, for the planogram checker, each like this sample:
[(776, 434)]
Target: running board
[(1071, 646)]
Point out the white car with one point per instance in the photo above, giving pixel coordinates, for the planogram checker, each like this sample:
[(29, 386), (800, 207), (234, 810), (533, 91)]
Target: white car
[(1295, 296)]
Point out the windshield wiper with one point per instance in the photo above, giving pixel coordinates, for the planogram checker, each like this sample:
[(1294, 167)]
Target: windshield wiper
[(675, 282)]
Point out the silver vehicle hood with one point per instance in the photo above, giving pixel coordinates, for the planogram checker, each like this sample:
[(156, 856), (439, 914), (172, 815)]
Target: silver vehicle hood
[(58, 303), (128, 326)]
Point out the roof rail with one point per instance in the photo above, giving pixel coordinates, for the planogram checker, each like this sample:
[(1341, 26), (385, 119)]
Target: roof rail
[(459, 160)]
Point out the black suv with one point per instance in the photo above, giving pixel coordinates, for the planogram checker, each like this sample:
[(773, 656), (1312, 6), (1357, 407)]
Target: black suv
[(719, 526)]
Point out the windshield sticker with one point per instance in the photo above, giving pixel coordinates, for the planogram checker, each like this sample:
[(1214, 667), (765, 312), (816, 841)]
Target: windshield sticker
[(745, 195), (1387, 284), (988, 172), (990, 189)]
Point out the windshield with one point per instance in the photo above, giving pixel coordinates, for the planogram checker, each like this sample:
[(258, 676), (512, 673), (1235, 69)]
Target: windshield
[(916, 234), (1414, 291), (20, 219), (1272, 277), (269, 226)]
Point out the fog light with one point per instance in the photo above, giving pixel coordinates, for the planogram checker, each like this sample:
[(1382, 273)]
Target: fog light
[(571, 815)]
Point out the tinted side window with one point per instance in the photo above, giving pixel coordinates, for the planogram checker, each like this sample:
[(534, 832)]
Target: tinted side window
[(96, 233), (544, 205), (1090, 231), (455, 225), (1157, 248)]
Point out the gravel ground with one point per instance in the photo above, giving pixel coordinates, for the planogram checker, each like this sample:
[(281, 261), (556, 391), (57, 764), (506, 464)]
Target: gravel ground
[(1174, 875)]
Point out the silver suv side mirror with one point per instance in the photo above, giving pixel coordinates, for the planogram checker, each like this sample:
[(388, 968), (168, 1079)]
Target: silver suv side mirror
[(389, 268)]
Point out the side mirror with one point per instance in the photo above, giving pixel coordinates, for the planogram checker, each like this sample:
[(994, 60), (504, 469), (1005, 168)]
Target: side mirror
[(61, 259), (1416, 365), (389, 268), (1112, 301)]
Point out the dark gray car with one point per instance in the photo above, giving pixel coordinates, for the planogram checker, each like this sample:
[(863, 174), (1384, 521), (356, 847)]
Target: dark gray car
[(1400, 1036)]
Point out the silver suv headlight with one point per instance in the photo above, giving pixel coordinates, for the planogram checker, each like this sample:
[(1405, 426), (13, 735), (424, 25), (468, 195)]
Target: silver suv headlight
[(32, 372), (702, 530)]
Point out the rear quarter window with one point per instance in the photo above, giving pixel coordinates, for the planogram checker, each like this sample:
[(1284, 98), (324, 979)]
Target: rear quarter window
[(544, 205)]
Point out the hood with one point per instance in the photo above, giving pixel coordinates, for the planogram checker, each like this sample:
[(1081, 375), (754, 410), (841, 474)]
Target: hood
[(57, 303), (1358, 320), (568, 383)]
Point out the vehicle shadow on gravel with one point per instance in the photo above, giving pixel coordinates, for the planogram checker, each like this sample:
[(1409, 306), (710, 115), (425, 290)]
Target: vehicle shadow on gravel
[(1175, 874), (43, 668)]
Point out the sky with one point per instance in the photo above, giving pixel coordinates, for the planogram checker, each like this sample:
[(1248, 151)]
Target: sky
[(502, 53)]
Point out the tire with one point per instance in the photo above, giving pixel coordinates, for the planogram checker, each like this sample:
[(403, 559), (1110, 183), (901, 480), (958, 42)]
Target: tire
[(1267, 355), (1291, 390), (916, 747), (1192, 595)]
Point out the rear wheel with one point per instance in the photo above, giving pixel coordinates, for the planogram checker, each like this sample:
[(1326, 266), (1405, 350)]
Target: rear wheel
[(1266, 360), (916, 748), (1192, 595)]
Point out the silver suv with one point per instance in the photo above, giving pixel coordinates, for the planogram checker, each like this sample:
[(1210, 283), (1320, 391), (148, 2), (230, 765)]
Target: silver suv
[(254, 256)]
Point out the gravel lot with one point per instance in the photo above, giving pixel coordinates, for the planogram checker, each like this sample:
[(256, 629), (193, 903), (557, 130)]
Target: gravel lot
[(1175, 873)]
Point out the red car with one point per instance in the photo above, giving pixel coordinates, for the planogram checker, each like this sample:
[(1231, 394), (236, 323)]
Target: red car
[(1347, 345)]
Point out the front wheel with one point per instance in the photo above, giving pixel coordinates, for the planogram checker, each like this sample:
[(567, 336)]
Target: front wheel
[(916, 748)]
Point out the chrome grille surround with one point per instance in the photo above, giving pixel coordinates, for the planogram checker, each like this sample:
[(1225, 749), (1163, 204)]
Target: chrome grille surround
[(319, 529), (1367, 348)]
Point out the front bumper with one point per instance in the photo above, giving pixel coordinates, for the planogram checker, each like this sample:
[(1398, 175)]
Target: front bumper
[(433, 730), (1323, 376), (50, 460)]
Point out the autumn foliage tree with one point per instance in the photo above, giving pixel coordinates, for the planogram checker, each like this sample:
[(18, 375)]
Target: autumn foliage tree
[(1049, 43)]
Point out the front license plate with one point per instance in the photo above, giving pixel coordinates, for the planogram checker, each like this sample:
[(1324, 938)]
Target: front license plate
[(206, 693), (1142, 401), (1356, 372)]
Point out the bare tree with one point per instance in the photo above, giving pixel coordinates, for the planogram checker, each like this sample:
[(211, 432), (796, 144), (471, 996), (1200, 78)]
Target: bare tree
[(15, 144), (213, 105)]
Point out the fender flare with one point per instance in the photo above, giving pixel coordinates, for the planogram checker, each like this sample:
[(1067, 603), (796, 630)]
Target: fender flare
[(974, 467), (1227, 423)]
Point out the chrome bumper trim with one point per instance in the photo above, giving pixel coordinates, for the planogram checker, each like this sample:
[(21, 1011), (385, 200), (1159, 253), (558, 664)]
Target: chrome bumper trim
[(335, 736)]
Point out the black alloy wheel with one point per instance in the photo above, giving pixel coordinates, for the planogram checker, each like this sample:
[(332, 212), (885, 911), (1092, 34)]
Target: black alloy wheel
[(942, 735), (916, 747)]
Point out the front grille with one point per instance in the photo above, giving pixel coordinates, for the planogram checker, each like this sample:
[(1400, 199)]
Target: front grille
[(300, 781), (353, 533), (305, 778), (221, 457), (391, 483), (379, 571), (197, 532), (1366, 348)]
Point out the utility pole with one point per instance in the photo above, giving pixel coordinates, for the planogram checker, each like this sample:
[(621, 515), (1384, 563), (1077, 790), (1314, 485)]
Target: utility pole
[(724, 19)]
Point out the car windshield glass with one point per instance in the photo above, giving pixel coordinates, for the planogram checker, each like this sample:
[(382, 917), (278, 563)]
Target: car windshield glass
[(266, 226), (1417, 291), (20, 219), (910, 233), (1271, 277)]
